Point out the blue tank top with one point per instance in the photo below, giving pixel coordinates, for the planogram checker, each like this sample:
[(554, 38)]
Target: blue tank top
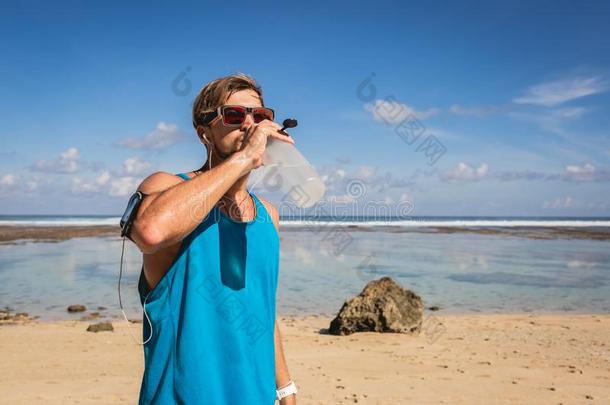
[(213, 316)]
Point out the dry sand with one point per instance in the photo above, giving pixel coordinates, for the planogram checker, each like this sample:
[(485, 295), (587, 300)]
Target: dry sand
[(457, 359)]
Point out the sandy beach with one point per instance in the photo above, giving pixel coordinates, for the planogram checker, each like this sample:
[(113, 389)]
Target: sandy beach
[(457, 359)]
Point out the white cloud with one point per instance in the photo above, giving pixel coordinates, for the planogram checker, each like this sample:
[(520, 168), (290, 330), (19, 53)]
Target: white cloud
[(404, 197), (67, 162), (123, 186), (553, 93), (392, 112), (7, 180), (473, 111), (366, 173), (572, 173), (558, 203), (32, 185), (587, 168), (103, 178), (80, 186), (340, 199), (569, 112), (368, 180), (164, 136), (552, 120), (465, 172), (135, 166), (387, 200), (585, 172)]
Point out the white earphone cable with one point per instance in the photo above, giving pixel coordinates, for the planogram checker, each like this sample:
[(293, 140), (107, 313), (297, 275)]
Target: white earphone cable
[(143, 305)]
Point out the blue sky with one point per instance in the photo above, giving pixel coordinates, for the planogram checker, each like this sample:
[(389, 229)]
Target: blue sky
[(96, 95)]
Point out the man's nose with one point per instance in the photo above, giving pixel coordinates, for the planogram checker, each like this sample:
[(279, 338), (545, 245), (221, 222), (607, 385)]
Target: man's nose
[(248, 121)]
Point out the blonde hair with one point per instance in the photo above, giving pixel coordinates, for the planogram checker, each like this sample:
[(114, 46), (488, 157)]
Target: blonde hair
[(216, 93)]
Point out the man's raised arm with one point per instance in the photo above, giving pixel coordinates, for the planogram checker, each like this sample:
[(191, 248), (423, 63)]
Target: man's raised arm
[(174, 208)]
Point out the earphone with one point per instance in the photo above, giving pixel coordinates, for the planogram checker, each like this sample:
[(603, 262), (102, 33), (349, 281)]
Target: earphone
[(211, 149)]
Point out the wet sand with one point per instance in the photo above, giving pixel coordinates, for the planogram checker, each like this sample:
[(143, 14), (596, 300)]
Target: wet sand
[(10, 234), (54, 233), (457, 359)]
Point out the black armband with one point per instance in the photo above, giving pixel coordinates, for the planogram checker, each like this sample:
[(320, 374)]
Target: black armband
[(130, 212)]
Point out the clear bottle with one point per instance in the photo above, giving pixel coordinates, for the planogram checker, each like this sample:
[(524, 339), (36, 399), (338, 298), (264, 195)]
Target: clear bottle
[(286, 170)]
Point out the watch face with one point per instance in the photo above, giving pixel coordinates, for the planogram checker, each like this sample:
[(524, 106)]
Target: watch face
[(130, 206)]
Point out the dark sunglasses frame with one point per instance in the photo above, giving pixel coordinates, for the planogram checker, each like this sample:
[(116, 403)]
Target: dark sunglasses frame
[(204, 118)]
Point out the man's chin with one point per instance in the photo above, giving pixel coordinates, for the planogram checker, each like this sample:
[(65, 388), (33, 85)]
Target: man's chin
[(231, 151)]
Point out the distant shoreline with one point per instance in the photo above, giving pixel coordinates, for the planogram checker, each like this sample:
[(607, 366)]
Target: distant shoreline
[(56, 233)]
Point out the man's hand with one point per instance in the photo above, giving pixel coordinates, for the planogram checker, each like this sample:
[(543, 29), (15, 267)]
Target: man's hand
[(255, 141)]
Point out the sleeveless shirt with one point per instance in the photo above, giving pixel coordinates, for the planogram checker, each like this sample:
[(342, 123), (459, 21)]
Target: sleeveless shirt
[(213, 316)]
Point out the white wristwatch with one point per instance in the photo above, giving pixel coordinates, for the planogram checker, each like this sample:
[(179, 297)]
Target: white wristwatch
[(286, 390)]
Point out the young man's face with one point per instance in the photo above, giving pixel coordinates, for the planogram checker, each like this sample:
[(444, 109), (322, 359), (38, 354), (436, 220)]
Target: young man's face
[(228, 140)]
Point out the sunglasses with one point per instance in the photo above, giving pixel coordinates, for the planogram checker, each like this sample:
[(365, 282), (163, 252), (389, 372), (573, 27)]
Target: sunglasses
[(235, 115)]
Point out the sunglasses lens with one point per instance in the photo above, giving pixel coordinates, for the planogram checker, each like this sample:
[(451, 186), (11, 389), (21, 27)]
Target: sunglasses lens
[(261, 114), (234, 115)]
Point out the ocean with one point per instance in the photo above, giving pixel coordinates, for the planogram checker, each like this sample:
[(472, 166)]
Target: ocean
[(460, 264)]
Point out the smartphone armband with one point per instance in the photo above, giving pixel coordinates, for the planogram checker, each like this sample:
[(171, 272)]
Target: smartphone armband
[(130, 212)]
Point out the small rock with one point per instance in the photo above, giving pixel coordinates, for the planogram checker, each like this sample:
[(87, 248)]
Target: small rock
[(434, 308), (101, 308), (77, 308), (6, 315), (91, 316), (100, 327)]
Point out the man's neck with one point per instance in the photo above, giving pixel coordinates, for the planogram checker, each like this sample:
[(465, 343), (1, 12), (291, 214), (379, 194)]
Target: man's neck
[(239, 189)]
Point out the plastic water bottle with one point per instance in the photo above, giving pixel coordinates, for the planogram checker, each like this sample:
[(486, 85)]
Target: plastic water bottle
[(286, 170)]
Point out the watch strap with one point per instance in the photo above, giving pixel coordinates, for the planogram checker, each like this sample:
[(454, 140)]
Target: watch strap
[(288, 389)]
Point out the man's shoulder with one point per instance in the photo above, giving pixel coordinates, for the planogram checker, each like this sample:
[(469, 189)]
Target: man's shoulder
[(158, 181), (267, 204), (271, 210)]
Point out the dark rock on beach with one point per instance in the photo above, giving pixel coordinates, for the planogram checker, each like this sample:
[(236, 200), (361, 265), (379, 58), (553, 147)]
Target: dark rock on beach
[(77, 308), (434, 308), (7, 317), (382, 306), (100, 327), (91, 316)]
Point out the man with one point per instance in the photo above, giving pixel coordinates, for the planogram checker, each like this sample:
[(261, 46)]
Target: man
[(211, 255)]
